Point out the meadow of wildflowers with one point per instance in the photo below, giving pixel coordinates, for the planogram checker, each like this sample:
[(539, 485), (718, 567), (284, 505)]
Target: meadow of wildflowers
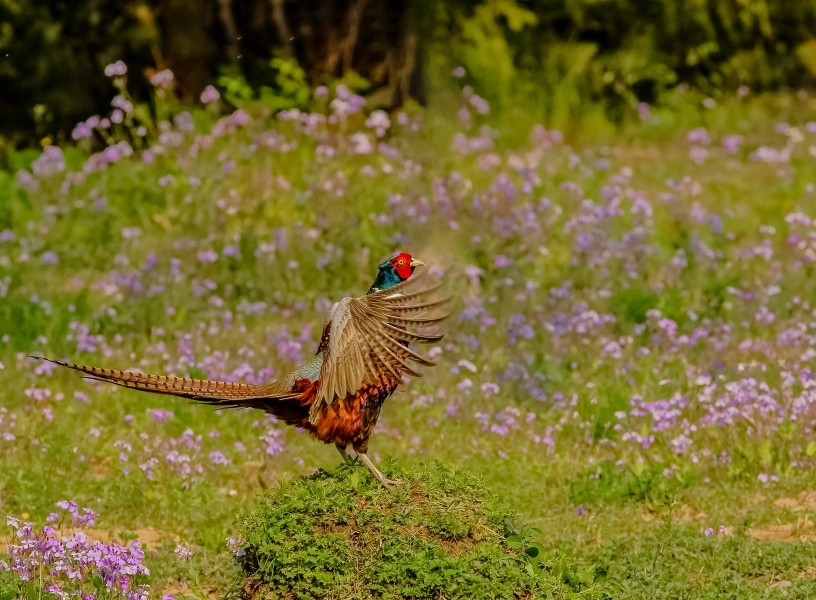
[(630, 359)]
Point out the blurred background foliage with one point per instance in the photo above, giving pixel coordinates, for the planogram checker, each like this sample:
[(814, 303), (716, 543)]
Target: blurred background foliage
[(555, 58)]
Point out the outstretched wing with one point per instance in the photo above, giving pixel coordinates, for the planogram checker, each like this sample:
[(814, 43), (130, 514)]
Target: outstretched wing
[(370, 338), (222, 393)]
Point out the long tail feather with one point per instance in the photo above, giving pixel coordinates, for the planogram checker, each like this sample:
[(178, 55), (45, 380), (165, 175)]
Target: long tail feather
[(221, 393)]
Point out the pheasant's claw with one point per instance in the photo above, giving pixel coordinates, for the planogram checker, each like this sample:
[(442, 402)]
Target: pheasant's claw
[(389, 483)]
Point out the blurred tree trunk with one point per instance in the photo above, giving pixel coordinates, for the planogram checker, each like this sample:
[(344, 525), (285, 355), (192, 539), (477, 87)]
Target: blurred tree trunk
[(189, 48), (374, 38), (330, 39)]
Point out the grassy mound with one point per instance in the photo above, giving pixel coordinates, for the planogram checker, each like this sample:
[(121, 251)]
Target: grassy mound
[(340, 534)]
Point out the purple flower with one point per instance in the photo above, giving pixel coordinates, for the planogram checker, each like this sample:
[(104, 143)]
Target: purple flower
[(162, 79), (500, 261), (68, 505), (207, 256), (210, 94), (731, 143), (231, 250), (218, 458), (699, 136), (698, 154), (359, 143), (160, 414), (239, 118), (273, 441), (379, 121), (51, 161), (88, 517), (465, 385), (123, 104), (771, 156), (479, 104), (183, 553), (490, 389), (115, 69), (644, 110), (81, 131), (473, 273)]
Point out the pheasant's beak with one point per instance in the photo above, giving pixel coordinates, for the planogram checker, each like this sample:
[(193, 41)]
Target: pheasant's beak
[(416, 263)]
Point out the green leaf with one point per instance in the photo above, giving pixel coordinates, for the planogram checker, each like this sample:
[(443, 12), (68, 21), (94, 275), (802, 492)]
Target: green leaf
[(97, 581), (766, 452)]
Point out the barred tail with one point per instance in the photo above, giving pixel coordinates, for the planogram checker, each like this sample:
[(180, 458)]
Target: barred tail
[(221, 393)]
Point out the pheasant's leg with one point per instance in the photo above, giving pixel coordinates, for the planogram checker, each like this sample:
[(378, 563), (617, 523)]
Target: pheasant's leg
[(380, 477), (344, 453)]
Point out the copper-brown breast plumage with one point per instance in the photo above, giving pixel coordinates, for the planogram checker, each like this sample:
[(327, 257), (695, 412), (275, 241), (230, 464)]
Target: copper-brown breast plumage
[(349, 421), (352, 419)]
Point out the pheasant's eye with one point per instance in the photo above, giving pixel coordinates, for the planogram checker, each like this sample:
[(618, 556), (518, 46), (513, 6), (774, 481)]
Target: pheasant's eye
[(401, 262)]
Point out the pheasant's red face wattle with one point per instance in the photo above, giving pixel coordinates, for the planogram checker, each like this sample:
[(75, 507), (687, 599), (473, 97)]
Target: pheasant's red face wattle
[(404, 265)]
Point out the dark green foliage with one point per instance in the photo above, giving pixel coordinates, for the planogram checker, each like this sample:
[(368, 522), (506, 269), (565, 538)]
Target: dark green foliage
[(561, 58), (42, 91), (340, 534), (621, 51)]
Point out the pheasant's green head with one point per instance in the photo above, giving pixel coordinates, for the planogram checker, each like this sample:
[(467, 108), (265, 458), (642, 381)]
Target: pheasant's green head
[(395, 270)]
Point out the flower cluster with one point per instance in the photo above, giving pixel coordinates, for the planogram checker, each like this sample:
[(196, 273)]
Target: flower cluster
[(60, 560)]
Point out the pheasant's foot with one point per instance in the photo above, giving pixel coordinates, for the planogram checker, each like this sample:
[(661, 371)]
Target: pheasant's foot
[(389, 483), (344, 453)]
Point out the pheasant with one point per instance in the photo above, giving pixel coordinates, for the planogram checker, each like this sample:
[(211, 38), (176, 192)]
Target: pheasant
[(364, 352)]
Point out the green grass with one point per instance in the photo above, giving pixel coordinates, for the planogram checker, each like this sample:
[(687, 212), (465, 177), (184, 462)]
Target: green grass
[(674, 561), (557, 444)]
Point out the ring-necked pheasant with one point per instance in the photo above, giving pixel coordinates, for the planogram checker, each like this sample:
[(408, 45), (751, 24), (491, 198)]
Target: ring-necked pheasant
[(336, 396)]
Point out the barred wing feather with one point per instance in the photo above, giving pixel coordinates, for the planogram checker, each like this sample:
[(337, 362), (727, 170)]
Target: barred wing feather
[(369, 338)]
